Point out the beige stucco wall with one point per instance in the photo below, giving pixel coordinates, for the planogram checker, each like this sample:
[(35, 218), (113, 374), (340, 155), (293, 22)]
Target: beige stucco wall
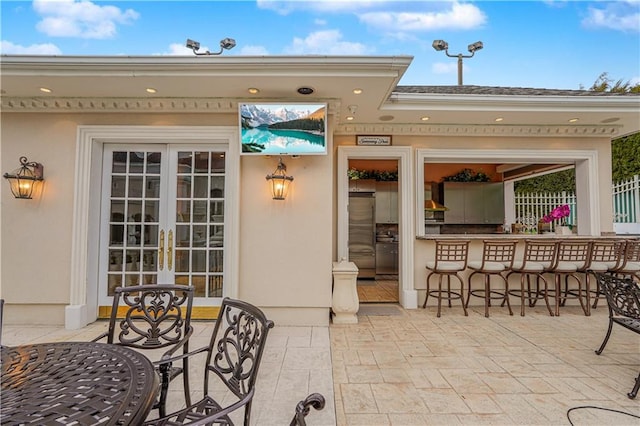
[(285, 248)]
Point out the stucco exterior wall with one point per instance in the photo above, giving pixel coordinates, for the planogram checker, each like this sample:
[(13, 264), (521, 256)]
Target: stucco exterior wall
[(285, 249)]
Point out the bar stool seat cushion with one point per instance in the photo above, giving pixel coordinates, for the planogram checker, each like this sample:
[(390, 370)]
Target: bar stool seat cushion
[(632, 267), (567, 266), (446, 266), (602, 266), (519, 266), (488, 266)]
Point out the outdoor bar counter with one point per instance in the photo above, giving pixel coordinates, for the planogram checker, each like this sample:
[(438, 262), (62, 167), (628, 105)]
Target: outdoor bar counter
[(433, 237), (425, 252)]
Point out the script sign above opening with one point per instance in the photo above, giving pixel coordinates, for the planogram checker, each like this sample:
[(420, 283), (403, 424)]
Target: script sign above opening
[(374, 140)]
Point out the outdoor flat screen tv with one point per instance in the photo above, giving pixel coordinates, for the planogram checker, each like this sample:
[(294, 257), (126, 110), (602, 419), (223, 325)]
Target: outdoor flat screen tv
[(283, 128)]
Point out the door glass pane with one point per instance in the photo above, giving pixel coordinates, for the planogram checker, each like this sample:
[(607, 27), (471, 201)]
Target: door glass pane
[(199, 211), (133, 218), (135, 186), (217, 162), (136, 162), (183, 235), (152, 187), (183, 211), (200, 221), (118, 186), (201, 162), (152, 211), (119, 162)]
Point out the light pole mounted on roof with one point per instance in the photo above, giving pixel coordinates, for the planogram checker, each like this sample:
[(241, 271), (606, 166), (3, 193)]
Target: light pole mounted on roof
[(441, 45)]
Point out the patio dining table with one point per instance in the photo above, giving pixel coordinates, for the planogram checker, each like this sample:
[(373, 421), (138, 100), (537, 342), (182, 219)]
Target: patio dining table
[(80, 383)]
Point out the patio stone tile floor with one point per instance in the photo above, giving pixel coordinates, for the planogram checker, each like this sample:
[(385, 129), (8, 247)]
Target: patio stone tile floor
[(416, 369)]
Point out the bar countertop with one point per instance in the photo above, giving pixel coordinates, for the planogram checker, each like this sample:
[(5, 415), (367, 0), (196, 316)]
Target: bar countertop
[(432, 237)]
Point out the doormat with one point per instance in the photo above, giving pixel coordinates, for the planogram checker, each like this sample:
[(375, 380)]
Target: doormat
[(371, 309)]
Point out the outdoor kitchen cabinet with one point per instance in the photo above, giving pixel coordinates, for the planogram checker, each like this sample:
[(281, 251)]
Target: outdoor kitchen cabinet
[(474, 203), (362, 185), (386, 258), (387, 202)]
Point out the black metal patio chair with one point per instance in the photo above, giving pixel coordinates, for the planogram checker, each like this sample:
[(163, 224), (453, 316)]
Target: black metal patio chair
[(155, 317), (232, 360), (623, 300), (314, 400)]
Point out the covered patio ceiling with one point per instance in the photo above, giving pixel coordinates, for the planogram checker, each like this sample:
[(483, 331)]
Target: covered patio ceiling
[(216, 84)]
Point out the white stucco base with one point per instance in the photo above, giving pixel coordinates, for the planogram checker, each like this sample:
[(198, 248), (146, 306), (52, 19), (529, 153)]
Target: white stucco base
[(409, 299), (75, 317), (315, 317)]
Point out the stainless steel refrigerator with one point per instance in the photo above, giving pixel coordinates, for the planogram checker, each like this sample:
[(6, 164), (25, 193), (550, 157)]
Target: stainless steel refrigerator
[(362, 235)]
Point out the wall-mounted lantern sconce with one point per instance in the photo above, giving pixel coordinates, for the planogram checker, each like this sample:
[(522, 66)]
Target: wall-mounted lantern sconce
[(23, 179), (279, 181)]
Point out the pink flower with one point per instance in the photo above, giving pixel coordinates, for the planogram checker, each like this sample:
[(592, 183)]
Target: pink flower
[(558, 213)]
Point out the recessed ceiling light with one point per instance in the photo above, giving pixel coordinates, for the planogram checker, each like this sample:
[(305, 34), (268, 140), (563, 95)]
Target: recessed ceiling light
[(573, 120), (357, 91), (499, 119), (305, 90), (350, 118), (45, 90), (425, 118), (151, 90), (253, 90), (386, 117)]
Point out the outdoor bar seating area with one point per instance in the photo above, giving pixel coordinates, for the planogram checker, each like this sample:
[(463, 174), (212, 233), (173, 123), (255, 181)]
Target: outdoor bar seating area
[(527, 271)]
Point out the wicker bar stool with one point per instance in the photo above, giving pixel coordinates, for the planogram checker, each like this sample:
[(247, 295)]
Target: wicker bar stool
[(497, 257), (450, 259), (572, 257), (536, 260), (606, 256)]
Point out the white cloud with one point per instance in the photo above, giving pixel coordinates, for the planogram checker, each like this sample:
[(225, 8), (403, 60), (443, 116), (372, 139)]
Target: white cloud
[(8, 48), (460, 16), (179, 49), (327, 42), (621, 16), (444, 68), (284, 7), (83, 19), (254, 51)]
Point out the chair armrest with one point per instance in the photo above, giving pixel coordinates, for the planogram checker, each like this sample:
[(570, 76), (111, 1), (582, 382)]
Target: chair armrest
[(100, 337), (169, 353), (168, 359)]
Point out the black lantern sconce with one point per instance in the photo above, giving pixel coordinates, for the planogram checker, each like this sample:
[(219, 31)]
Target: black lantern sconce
[(279, 181), (23, 179)]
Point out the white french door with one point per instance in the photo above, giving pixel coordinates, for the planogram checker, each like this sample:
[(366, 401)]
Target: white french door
[(163, 218)]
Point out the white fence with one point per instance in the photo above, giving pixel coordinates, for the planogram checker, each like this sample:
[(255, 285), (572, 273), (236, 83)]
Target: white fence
[(626, 203)]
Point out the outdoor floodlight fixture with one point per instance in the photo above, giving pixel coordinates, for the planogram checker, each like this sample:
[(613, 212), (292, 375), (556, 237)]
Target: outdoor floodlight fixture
[(23, 179), (225, 44), (279, 181), (441, 45), (475, 46)]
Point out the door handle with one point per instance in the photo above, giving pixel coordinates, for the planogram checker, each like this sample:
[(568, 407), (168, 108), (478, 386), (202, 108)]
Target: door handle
[(170, 250), (161, 251)]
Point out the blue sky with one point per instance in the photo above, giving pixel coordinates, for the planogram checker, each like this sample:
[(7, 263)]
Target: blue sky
[(555, 44)]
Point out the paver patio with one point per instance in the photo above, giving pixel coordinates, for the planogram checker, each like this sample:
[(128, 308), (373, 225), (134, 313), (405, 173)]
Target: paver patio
[(407, 367)]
